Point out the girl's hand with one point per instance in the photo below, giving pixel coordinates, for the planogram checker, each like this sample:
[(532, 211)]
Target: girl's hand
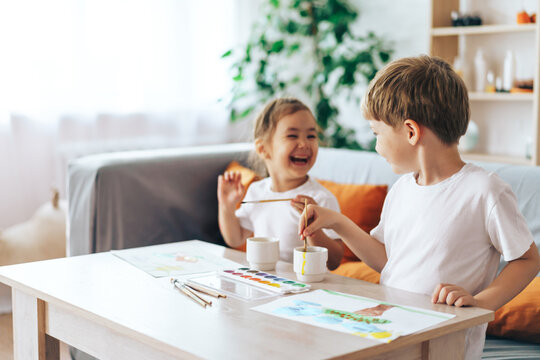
[(230, 189), (318, 218), (298, 202), (452, 295)]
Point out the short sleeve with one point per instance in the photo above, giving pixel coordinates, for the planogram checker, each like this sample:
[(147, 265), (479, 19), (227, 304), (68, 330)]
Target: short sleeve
[(243, 215), (507, 228)]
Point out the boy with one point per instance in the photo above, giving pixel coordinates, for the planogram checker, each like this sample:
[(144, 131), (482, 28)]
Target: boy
[(444, 223)]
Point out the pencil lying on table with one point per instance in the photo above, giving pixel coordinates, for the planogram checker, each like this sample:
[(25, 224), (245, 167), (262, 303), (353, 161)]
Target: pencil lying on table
[(205, 290), (263, 201), (184, 290)]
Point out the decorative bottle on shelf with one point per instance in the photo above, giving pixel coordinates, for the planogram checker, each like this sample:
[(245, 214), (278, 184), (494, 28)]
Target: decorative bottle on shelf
[(480, 71), (509, 71)]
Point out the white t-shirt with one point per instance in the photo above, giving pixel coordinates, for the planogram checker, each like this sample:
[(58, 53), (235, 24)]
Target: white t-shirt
[(280, 219), (451, 232)]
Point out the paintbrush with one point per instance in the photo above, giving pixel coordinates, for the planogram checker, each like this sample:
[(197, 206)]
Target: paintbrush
[(305, 218), (263, 201)]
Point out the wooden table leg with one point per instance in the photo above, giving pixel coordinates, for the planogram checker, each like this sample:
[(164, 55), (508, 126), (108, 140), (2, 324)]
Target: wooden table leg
[(451, 347), (29, 324)]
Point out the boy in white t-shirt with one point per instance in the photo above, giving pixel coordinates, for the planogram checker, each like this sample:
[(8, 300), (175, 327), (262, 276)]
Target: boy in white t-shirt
[(445, 223), (286, 142)]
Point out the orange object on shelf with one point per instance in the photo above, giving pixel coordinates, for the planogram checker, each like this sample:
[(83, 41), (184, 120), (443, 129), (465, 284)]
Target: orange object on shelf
[(533, 18), (523, 18), (515, 90)]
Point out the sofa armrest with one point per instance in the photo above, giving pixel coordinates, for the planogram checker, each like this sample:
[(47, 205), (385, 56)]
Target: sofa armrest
[(140, 198)]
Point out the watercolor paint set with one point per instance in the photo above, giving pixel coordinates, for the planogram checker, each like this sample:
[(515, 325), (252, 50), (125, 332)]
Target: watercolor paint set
[(265, 280)]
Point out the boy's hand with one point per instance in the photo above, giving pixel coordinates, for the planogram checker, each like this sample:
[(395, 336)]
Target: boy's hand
[(452, 295), (318, 218), (230, 189), (298, 202)]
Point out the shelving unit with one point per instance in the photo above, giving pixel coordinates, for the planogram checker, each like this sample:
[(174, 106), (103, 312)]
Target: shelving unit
[(507, 121)]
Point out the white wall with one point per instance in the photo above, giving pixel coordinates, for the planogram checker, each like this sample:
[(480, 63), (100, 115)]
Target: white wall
[(405, 24)]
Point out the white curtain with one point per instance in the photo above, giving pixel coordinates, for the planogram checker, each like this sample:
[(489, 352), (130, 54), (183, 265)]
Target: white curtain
[(86, 76)]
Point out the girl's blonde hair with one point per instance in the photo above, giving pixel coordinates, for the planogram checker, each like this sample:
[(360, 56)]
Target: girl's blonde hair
[(266, 123)]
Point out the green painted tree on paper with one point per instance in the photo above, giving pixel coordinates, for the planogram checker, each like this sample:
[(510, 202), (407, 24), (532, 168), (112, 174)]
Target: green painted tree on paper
[(306, 48)]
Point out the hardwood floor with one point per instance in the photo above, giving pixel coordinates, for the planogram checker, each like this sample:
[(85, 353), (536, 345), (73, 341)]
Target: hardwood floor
[(6, 340)]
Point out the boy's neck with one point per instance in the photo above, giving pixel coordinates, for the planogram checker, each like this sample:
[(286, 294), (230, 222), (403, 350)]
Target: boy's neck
[(437, 162)]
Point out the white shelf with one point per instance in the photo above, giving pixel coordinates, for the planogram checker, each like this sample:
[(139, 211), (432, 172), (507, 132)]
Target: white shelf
[(478, 96), (482, 29), (491, 109), (497, 158)]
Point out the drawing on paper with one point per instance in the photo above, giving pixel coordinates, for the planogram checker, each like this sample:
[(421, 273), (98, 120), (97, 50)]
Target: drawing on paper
[(175, 259), (352, 314)]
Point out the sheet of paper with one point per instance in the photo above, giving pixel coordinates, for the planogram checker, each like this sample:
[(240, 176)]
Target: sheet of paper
[(175, 259), (353, 314)]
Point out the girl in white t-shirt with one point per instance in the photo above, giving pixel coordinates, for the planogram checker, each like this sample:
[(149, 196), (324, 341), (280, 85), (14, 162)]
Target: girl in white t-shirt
[(286, 142)]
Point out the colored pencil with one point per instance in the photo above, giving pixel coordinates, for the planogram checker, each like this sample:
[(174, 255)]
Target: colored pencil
[(196, 294), (186, 292), (205, 290)]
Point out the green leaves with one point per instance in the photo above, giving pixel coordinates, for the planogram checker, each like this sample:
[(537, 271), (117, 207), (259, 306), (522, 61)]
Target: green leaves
[(305, 48)]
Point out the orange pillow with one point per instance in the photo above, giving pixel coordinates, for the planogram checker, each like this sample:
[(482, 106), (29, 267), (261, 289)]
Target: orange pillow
[(520, 318), (248, 176), (362, 203), (358, 270)]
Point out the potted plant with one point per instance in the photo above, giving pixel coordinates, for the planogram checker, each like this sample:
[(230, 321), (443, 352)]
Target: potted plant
[(307, 48)]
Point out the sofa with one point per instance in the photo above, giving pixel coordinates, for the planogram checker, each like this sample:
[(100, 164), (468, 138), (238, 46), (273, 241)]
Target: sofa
[(140, 198)]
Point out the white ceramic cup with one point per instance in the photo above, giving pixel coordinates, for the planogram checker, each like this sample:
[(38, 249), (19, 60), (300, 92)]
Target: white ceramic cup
[(310, 266), (262, 253)]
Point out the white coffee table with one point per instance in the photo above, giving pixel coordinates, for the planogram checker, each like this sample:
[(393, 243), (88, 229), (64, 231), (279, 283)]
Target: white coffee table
[(112, 310)]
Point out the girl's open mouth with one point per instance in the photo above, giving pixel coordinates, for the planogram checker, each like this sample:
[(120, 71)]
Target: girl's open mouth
[(299, 160)]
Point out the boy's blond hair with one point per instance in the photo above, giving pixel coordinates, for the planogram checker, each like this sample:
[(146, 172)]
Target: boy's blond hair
[(424, 89)]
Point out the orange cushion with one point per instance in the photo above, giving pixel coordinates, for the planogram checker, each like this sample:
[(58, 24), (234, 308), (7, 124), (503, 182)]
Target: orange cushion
[(362, 203), (520, 318), (248, 175), (358, 270)]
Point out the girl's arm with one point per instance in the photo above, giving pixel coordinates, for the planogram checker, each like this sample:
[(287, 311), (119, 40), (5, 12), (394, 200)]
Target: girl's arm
[(233, 234), (367, 248), (230, 191)]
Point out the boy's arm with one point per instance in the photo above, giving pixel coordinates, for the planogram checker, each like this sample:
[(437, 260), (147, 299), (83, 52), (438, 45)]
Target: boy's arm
[(515, 276), (367, 248), (335, 250)]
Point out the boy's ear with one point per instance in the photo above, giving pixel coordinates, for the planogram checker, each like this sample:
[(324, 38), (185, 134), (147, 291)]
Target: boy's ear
[(260, 149), (414, 131)]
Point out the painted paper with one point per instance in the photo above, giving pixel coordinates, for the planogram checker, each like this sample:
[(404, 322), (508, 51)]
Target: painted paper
[(175, 259), (355, 315)]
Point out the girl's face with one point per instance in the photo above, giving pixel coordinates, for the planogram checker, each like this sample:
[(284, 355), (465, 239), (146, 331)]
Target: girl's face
[(293, 148)]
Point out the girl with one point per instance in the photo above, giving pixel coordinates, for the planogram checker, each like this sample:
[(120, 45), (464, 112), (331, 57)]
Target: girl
[(286, 142)]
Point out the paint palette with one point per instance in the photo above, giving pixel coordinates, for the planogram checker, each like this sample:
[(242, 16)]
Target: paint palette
[(265, 280)]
